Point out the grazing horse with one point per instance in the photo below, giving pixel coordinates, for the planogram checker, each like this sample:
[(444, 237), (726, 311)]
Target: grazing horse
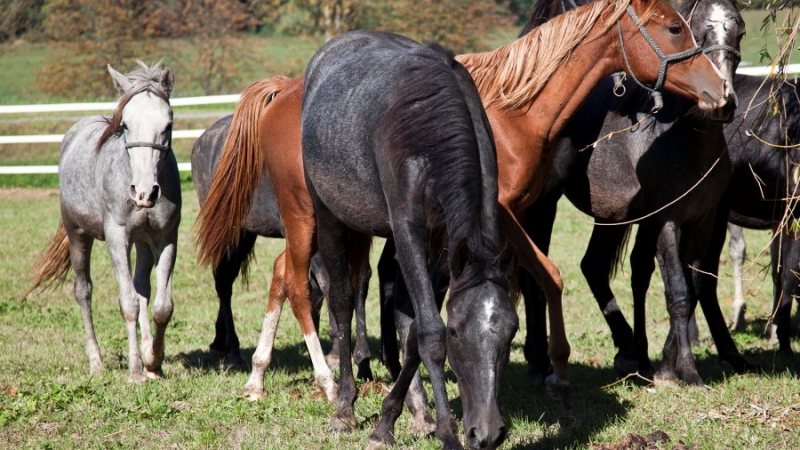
[(414, 162), (119, 183), (619, 162), (263, 219), (569, 55), (763, 145)]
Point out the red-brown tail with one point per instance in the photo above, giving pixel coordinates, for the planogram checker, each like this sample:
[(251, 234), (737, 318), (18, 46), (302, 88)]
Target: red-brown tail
[(238, 173), (53, 266)]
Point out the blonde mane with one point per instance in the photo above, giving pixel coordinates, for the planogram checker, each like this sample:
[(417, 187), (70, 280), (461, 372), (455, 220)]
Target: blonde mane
[(511, 76)]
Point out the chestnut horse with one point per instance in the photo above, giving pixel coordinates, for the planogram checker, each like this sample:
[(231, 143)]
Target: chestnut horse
[(568, 56)]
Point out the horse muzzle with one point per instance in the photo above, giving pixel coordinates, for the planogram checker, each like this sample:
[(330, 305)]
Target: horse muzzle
[(144, 197)]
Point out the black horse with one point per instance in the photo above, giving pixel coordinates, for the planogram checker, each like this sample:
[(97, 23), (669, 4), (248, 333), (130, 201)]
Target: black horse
[(263, 220), (619, 162), (763, 146), (396, 144)]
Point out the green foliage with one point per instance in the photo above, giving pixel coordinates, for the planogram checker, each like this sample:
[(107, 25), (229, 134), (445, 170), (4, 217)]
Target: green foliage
[(456, 24), (18, 16)]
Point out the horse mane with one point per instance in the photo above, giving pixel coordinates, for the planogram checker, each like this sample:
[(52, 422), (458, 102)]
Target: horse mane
[(515, 73), (145, 78), (412, 128)]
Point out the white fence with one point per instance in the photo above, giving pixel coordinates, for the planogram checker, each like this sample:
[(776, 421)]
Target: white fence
[(187, 134)]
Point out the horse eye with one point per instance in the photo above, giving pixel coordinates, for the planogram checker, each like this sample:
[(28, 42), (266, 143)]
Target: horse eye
[(675, 29), (451, 331), (124, 126)]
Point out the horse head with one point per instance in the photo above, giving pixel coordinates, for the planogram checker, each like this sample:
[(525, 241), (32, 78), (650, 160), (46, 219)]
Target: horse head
[(481, 323), (659, 50), (144, 122), (718, 27)]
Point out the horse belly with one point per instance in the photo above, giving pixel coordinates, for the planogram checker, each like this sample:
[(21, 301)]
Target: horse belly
[(354, 201)]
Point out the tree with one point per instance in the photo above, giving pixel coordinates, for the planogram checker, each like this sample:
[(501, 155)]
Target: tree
[(456, 24)]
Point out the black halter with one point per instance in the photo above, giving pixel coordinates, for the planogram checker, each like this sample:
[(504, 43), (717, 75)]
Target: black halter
[(160, 147), (665, 59)]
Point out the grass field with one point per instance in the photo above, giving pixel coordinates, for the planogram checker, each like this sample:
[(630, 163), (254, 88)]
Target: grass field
[(48, 400)]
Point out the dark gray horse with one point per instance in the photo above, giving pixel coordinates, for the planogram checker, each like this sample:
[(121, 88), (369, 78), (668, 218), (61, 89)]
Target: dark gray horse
[(263, 220), (762, 143), (396, 144), (119, 183), (618, 162)]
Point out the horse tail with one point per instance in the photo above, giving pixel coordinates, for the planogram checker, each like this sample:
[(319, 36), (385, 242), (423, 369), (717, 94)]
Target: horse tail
[(53, 265), (237, 176), (619, 252)]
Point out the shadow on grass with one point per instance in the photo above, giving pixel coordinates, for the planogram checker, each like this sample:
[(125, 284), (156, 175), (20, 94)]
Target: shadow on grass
[(527, 401)]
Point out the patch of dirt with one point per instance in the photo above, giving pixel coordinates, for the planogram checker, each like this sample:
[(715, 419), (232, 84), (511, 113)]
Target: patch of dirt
[(27, 193)]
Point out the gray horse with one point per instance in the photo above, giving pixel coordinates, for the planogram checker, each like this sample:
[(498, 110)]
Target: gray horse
[(119, 183)]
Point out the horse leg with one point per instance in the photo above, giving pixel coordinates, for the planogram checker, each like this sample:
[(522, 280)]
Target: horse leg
[(678, 360), (163, 305), (538, 223), (410, 242), (226, 342), (119, 247), (737, 250), (387, 273), (80, 252), (597, 265), (262, 357), (342, 251), (362, 354), (416, 399), (392, 407), (320, 282), (705, 282), (548, 277), (141, 282), (783, 252), (642, 267)]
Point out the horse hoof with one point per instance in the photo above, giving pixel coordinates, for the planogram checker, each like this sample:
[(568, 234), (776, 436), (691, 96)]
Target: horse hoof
[(234, 361), (625, 366), (559, 390), (253, 394), (423, 426), (376, 443), (137, 378), (341, 422), (155, 374)]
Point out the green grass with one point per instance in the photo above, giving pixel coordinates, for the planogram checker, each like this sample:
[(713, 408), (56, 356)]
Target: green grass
[(48, 400)]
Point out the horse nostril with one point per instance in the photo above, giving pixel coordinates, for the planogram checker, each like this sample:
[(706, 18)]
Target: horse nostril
[(132, 192), (474, 441), (154, 193)]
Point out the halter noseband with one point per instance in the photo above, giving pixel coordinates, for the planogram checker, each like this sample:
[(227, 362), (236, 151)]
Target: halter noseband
[(153, 145), (665, 59)]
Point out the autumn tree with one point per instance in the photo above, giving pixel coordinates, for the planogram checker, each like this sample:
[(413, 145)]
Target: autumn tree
[(456, 24), (18, 16)]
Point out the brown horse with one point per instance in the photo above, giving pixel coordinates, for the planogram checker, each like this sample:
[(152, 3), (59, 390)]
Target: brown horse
[(530, 88)]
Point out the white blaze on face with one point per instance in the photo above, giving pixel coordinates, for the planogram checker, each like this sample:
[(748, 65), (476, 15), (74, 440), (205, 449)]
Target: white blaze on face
[(720, 20), (488, 312)]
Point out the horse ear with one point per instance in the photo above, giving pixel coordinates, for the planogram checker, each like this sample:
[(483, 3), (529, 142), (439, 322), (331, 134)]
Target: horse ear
[(167, 80), (121, 82)]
